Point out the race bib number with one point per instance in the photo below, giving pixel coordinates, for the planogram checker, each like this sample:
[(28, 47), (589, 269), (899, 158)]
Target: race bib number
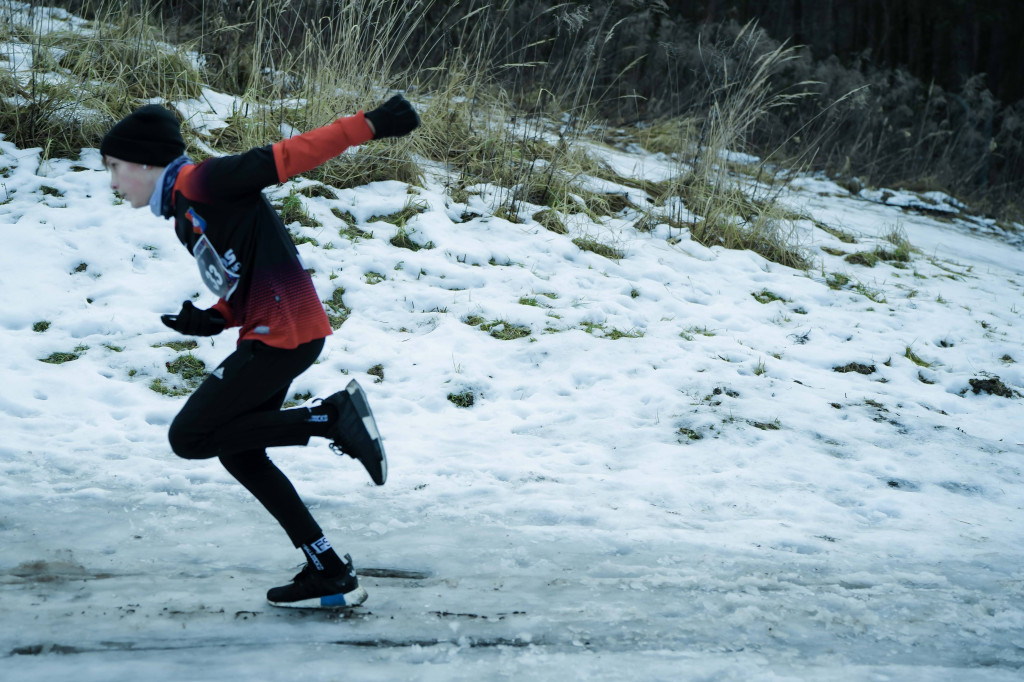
[(217, 278)]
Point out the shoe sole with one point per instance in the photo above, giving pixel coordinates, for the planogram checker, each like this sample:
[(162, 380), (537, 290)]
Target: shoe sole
[(331, 601), (377, 464)]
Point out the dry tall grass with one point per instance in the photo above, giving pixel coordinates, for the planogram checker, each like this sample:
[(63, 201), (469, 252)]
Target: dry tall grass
[(82, 78), (477, 126), (720, 206)]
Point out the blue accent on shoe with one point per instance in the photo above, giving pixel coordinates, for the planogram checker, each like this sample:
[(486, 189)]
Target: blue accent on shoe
[(333, 600), (311, 589)]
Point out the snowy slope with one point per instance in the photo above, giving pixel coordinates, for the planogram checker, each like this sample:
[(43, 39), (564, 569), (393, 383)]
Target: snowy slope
[(665, 478), (704, 496)]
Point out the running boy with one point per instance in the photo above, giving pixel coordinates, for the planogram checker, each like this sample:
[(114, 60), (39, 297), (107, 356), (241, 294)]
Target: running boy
[(247, 258)]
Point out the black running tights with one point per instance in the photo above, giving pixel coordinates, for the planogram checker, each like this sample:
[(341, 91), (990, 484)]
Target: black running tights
[(236, 414)]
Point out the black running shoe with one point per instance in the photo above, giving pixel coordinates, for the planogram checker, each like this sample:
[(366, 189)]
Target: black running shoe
[(355, 432), (310, 590)]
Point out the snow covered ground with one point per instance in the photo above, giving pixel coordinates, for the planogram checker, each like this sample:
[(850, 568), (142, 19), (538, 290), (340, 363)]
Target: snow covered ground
[(698, 496), (663, 478)]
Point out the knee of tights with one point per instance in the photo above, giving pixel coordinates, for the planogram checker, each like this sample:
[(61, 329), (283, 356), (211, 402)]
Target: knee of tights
[(186, 443)]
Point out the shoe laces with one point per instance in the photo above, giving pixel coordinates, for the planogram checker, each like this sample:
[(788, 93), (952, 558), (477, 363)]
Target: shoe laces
[(309, 573), (338, 450), (304, 574)]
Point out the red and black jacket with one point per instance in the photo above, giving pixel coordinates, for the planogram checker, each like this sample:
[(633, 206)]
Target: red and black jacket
[(274, 300)]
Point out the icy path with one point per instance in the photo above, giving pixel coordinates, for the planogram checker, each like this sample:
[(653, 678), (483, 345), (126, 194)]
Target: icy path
[(666, 479), (488, 600)]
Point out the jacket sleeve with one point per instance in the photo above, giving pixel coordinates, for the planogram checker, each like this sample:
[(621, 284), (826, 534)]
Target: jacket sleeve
[(307, 151), (228, 178), (224, 308)]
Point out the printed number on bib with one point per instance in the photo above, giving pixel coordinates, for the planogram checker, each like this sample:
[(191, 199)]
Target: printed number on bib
[(217, 278)]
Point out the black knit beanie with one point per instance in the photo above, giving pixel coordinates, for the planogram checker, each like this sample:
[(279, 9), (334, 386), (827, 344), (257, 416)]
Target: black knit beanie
[(150, 134)]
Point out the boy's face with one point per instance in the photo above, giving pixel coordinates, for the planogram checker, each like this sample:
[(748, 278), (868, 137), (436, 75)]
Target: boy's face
[(133, 181)]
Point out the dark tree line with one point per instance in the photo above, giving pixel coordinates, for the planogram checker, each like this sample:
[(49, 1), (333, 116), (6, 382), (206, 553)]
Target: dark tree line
[(947, 41)]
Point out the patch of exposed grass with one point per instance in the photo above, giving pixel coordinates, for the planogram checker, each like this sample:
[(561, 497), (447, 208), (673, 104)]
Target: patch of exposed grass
[(647, 222), (865, 258), (402, 217), (338, 312), (350, 231), (376, 371), (292, 210), (837, 280), (499, 329), (842, 235), (897, 236), (188, 367), (690, 332), (689, 434), (507, 331), (298, 239), (463, 399), (992, 385), (191, 371), (508, 212), (180, 346), (656, 190), (949, 271), (615, 334), (896, 257), (61, 358), (601, 331), (403, 240), (764, 296), (909, 354), (875, 295), (41, 326), (160, 386), (857, 367), (587, 244), (317, 191)]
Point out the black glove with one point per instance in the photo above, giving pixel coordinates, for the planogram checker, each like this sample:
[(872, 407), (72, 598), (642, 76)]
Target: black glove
[(394, 118), (195, 322)]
